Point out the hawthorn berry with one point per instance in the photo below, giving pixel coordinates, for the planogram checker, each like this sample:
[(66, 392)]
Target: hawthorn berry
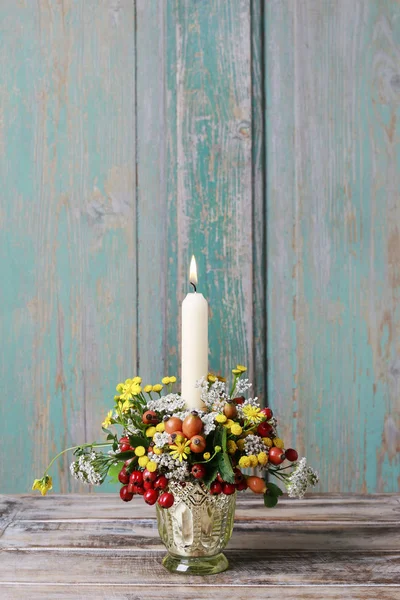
[(125, 494), (264, 429), (267, 412), (150, 418), (166, 500), (198, 471), (215, 488), (123, 475), (242, 485), (136, 477), (149, 475), (228, 489), (150, 496), (161, 483), (291, 454)]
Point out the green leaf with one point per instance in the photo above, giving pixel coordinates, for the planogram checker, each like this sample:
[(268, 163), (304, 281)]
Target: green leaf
[(274, 489), (270, 501), (137, 440), (225, 467), (125, 455), (114, 470), (212, 471)]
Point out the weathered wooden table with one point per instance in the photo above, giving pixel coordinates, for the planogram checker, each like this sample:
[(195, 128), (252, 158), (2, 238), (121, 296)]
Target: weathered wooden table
[(95, 546)]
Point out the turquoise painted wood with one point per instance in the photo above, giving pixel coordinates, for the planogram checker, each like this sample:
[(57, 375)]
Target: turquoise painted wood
[(333, 212), (260, 136)]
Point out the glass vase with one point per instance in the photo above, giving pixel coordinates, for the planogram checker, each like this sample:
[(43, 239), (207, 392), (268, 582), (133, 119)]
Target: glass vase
[(195, 529)]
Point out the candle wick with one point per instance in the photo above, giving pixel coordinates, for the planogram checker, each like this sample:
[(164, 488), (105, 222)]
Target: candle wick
[(195, 288)]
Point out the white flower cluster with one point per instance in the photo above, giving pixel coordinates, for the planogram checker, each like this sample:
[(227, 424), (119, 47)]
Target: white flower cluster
[(83, 469), (253, 444), (182, 414), (215, 396), (167, 404), (208, 421), (174, 468), (160, 439), (130, 428), (302, 477), (242, 385)]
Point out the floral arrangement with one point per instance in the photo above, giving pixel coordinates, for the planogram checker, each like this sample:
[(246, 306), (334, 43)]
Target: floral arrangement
[(163, 441)]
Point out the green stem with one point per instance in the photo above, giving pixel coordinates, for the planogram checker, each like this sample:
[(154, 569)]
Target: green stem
[(93, 445), (233, 386)]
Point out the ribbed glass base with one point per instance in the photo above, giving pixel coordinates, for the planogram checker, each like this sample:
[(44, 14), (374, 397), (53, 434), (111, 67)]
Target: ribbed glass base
[(197, 565)]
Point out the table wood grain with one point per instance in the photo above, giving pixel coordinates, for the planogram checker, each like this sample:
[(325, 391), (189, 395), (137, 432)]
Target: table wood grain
[(94, 546)]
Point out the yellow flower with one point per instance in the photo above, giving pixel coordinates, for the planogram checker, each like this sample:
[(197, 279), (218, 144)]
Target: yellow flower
[(137, 380), (148, 389), (241, 368), (278, 443), (206, 455), (172, 379), (151, 466), (231, 447), (253, 460), (165, 380), (236, 429), (108, 420), (236, 371), (217, 449), (157, 450), (229, 423), (150, 431), (143, 460), (120, 387), (160, 427), (116, 398), (244, 462), (140, 451), (268, 442), (262, 458), (240, 444), (211, 378), (180, 451), (157, 388), (253, 413), (125, 405), (130, 388), (43, 485), (221, 418), (223, 379)]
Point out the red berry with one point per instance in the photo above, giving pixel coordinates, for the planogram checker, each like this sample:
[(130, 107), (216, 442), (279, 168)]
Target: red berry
[(215, 488), (150, 497), (136, 477), (267, 412), (228, 488), (166, 500), (124, 440), (198, 471), (131, 488), (123, 475), (264, 429), (239, 400), (238, 475), (125, 495), (149, 475), (242, 485), (148, 485), (150, 418), (128, 462), (125, 447), (219, 478), (138, 489), (161, 483), (291, 454), (276, 456)]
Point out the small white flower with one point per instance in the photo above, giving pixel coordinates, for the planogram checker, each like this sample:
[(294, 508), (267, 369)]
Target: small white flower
[(160, 439), (302, 477)]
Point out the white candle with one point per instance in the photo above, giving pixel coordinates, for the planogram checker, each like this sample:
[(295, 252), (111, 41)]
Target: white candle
[(194, 342)]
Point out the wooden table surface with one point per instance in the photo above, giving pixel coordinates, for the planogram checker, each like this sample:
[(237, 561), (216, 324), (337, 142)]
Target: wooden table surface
[(95, 546)]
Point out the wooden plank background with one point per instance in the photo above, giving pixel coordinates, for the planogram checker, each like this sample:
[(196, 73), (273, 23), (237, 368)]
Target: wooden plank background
[(260, 136)]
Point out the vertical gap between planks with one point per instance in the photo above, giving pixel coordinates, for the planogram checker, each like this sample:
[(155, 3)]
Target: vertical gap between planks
[(136, 224)]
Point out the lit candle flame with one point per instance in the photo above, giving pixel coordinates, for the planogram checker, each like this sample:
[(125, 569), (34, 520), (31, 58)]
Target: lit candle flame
[(193, 272)]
